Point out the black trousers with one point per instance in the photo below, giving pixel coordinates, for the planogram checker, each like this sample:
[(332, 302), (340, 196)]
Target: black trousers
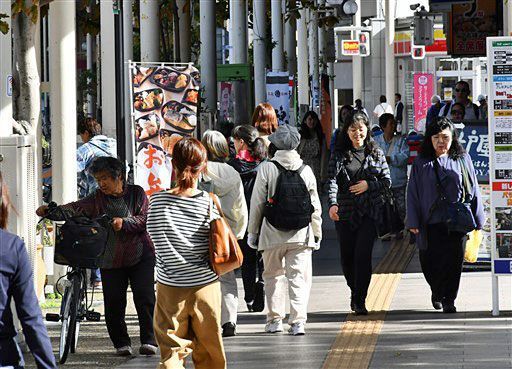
[(252, 269), (442, 261), (356, 246), (115, 284)]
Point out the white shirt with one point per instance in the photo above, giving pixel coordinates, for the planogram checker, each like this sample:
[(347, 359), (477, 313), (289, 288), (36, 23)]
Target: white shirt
[(382, 108)]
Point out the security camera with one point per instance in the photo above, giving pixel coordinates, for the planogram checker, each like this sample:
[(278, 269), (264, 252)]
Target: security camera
[(414, 6), (366, 23)]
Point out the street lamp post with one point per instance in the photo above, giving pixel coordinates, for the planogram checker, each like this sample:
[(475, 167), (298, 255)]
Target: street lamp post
[(259, 8)]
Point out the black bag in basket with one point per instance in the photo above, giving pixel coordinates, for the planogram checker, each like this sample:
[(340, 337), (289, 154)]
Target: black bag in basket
[(80, 242)]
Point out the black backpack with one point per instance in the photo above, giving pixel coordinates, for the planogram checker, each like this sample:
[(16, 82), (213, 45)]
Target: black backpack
[(290, 207)]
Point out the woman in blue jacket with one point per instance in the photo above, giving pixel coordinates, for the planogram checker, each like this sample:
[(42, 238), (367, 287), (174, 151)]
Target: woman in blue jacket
[(441, 251), (17, 282)]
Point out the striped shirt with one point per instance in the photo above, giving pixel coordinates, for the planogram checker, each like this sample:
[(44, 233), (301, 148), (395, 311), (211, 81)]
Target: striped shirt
[(180, 228)]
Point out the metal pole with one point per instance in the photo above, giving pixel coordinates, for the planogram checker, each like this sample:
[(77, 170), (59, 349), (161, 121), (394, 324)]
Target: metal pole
[(109, 95), (238, 55), (259, 8), (128, 55), (321, 43), (120, 101), (313, 59), (62, 41), (208, 54), (495, 295), (277, 35), (389, 51), (149, 30), (302, 60), (357, 62), (508, 16)]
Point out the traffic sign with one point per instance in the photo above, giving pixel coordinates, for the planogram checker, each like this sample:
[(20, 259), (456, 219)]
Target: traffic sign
[(350, 47)]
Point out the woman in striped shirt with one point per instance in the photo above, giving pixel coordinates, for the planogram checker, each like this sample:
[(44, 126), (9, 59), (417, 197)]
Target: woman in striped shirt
[(188, 304)]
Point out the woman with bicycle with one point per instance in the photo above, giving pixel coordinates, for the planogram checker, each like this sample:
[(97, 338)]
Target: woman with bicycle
[(17, 282), (129, 256), (188, 305)]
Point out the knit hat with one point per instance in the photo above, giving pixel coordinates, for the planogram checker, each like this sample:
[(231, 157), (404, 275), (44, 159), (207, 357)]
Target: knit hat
[(286, 137)]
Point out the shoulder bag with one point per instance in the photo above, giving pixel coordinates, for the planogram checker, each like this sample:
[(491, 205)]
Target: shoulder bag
[(225, 253), (456, 214)]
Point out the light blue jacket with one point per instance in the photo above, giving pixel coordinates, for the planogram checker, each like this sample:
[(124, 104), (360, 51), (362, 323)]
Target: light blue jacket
[(398, 158)]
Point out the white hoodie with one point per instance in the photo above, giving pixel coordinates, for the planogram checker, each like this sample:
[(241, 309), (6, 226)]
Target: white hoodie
[(227, 185), (265, 187)]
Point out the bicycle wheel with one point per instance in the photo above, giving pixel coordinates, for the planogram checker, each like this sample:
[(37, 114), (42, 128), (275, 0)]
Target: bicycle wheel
[(71, 338), (80, 312), (64, 328)]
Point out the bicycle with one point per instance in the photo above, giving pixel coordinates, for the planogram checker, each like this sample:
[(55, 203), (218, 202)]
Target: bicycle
[(75, 306)]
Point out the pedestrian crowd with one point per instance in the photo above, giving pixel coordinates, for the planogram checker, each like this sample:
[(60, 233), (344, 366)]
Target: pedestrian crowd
[(265, 181)]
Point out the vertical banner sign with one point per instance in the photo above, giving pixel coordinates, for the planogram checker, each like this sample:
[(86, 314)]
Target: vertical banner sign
[(326, 109), (499, 54), (226, 102), (423, 91), (164, 110), (278, 95)]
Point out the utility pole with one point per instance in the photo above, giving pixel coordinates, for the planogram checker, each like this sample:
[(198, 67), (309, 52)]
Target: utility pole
[(238, 55), (208, 55), (150, 31), (260, 34), (290, 43), (277, 35), (117, 8), (313, 59), (108, 69), (389, 51), (357, 61), (88, 41), (63, 103), (302, 61)]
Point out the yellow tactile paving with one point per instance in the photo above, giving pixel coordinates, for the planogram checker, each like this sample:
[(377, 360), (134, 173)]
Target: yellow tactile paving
[(354, 345)]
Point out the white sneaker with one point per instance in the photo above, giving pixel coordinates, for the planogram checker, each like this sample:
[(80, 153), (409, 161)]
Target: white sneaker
[(297, 329), (274, 326), (124, 351)]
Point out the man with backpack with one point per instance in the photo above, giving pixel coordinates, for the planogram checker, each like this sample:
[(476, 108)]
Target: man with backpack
[(95, 145), (285, 224)]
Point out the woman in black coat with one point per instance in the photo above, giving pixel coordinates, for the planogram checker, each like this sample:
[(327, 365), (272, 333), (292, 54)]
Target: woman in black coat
[(358, 175)]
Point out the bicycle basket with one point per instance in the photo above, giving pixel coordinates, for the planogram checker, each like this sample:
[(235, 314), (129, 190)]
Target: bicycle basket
[(80, 242)]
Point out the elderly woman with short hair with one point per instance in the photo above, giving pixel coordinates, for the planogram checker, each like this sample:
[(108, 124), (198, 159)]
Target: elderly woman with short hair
[(225, 182), (129, 256)]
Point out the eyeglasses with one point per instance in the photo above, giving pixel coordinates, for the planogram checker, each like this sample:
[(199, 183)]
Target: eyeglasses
[(461, 90)]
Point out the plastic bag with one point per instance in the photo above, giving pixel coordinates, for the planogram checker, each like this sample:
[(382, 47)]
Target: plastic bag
[(473, 245)]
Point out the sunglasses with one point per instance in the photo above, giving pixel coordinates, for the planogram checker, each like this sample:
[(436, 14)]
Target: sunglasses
[(461, 90)]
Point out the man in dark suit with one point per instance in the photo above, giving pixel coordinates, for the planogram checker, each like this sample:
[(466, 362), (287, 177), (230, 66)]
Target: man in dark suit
[(399, 112)]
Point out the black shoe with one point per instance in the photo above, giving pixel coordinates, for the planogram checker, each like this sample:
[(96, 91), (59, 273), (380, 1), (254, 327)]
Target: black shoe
[(449, 307), (436, 302), (352, 302), (249, 306), (229, 329), (360, 309)]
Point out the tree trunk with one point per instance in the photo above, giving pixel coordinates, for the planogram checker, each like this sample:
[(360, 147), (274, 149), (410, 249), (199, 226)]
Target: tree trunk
[(28, 80)]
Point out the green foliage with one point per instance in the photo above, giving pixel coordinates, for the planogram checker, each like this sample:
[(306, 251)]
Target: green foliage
[(4, 26)]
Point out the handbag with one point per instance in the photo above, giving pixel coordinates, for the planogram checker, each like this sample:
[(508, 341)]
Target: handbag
[(225, 253), (456, 214), (390, 221), (473, 243)]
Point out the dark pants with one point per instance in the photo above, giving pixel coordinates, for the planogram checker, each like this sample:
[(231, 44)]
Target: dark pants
[(442, 261), (252, 269), (115, 284), (356, 246)]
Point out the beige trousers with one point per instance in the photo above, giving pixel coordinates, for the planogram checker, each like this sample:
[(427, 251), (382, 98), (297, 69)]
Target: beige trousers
[(187, 321)]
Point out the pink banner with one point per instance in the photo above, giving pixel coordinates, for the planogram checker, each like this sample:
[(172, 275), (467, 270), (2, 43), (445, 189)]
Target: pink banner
[(423, 91)]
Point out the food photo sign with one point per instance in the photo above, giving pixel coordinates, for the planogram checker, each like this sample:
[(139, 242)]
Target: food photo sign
[(164, 110)]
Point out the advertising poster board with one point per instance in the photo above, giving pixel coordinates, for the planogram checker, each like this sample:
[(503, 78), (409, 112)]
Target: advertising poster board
[(164, 110), (471, 24), (278, 95), (499, 59), (423, 91)]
